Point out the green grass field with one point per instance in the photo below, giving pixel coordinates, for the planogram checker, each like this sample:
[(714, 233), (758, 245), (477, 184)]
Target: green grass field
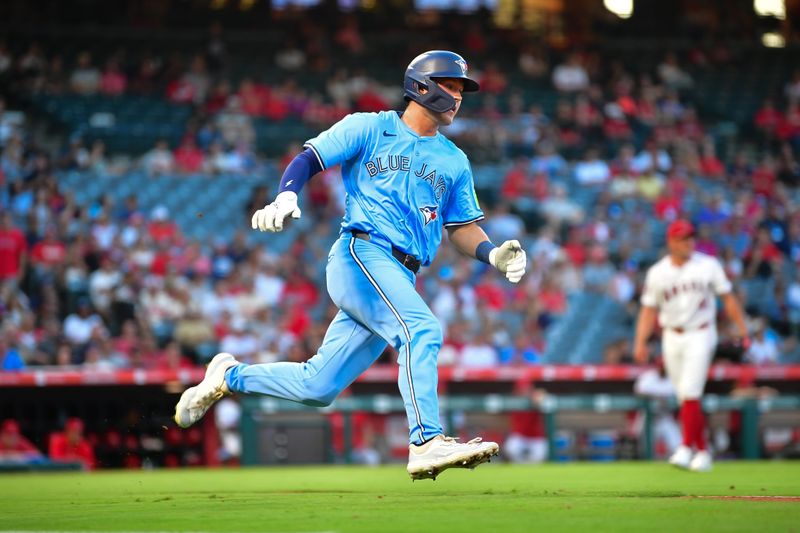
[(493, 499)]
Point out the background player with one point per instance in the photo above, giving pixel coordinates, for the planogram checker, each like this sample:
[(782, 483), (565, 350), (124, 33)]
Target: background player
[(680, 290), (404, 182)]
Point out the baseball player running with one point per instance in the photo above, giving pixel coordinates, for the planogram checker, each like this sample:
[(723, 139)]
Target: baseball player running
[(680, 290), (404, 182)]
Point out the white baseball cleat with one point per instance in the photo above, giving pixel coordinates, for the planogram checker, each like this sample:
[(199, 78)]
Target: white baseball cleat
[(681, 457), (195, 401), (440, 453), (701, 462)]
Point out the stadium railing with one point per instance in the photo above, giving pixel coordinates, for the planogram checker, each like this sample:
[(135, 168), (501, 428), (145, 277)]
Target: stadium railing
[(76, 376), (257, 411)]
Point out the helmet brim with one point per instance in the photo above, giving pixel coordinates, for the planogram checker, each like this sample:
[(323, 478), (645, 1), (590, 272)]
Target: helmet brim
[(470, 85)]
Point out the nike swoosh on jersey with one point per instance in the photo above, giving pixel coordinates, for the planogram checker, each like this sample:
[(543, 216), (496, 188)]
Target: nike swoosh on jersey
[(387, 134)]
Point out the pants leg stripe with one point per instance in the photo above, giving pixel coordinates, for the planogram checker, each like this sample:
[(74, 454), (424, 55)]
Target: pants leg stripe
[(405, 331)]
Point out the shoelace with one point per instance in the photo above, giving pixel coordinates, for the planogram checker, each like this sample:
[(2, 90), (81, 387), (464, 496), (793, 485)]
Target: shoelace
[(454, 440), (211, 397)]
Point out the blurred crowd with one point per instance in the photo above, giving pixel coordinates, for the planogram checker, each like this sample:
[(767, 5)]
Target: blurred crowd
[(587, 187)]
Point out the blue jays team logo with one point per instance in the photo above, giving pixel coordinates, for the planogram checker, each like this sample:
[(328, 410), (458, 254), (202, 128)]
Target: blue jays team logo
[(429, 212), (463, 64)]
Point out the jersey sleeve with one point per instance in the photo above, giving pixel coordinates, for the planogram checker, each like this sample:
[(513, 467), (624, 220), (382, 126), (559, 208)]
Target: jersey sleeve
[(719, 281), (462, 203), (649, 291), (342, 141)]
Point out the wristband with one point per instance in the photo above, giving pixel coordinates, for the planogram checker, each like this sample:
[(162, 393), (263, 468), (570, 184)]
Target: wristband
[(483, 250)]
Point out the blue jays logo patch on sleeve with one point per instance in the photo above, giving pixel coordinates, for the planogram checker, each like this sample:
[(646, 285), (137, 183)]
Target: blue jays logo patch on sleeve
[(429, 212)]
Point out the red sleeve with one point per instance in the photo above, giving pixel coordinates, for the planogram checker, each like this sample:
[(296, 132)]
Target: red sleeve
[(57, 448), (86, 453)]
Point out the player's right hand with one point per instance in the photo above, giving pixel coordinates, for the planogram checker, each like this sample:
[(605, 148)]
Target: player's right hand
[(272, 216), (510, 259)]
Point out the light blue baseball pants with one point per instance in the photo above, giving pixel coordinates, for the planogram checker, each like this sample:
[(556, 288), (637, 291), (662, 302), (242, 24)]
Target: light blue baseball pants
[(378, 304)]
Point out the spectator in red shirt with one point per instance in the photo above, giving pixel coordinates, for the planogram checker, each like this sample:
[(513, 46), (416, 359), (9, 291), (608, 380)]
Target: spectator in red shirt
[(527, 441), (14, 447), (488, 291), (768, 119), (667, 207), (218, 99), (710, 165), (180, 91), (161, 229), (253, 97), (71, 446), (113, 81), (615, 123), (299, 290), (172, 358), (540, 187), (188, 157), (789, 128), (297, 321), (276, 106), (493, 80), (763, 178), (371, 100), (575, 248), (13, 250), (516, 181), (48, 255)]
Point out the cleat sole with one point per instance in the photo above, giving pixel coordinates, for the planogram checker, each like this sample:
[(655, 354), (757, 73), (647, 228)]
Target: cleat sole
[(470, 463)]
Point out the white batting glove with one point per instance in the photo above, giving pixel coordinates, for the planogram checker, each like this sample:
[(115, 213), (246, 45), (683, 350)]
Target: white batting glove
[(510, 259), (272, 216)]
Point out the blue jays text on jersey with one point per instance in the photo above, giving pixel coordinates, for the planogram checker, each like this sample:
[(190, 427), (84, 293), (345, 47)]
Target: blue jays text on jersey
[(403, 164), (399, 185)]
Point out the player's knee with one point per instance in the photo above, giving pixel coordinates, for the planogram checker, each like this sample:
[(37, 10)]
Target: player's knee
[(321, 394), (431, 335), (437, 336)]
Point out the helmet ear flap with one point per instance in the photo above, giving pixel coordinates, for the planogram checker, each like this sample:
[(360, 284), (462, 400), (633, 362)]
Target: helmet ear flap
[(435, 98)]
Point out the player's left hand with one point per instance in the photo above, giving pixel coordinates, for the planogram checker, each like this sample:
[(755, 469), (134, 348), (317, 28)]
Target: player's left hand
[(272, 216), (510, 259)]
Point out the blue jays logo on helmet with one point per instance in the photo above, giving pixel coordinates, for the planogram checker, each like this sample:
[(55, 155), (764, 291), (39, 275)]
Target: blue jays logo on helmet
[(429, 212), (425, 69)]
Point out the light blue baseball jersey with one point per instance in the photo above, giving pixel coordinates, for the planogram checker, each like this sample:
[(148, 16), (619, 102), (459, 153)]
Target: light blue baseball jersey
[(399, 185)]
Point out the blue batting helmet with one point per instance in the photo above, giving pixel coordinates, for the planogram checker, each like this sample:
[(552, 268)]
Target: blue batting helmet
[(422, 73)]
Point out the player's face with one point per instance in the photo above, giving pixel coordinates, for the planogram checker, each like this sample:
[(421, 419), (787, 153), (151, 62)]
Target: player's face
[(454, 87), (681, 248)]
